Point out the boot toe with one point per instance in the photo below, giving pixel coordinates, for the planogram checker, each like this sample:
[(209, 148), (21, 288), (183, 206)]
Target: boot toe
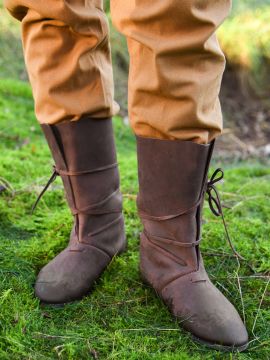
[(51, 292), (206, 313), (224, 335), (70, 275)]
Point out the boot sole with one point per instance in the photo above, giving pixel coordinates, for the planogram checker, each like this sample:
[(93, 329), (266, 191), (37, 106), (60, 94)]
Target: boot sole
[(219, 347), (213, 346)]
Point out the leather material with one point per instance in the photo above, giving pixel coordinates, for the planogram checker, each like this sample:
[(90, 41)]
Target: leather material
[(173, 181), (85, 157)]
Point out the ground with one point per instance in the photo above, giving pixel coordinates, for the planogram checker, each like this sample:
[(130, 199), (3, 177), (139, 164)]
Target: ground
[(121, 318)]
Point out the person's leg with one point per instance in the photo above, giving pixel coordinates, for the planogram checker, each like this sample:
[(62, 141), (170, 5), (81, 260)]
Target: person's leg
[(67, 55), (176, 67)]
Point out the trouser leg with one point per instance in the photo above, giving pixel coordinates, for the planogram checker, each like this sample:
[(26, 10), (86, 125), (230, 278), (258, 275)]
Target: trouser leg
[(176, 66), (67, 55)]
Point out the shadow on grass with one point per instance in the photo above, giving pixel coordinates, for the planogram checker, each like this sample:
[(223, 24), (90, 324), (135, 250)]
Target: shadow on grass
[(11, 232)]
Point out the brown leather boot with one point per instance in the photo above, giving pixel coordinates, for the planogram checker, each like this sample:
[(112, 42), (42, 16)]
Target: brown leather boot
[(85, 158), (173, 181)]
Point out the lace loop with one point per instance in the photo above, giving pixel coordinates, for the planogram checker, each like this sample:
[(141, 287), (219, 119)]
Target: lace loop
[(214, 199), (214, 179)]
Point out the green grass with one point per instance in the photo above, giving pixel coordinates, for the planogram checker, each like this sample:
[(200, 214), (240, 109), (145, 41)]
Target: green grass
[(121, 319)]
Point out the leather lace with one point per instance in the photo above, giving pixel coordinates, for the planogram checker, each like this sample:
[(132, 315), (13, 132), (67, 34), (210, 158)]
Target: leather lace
[(93, 209), (57, 172), (50, 181), (216, 206)]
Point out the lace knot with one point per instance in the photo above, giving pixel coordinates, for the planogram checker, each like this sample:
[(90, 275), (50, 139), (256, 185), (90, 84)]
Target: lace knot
[(213, 195)]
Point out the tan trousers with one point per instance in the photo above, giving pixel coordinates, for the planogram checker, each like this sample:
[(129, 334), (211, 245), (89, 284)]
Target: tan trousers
[(176, 64)]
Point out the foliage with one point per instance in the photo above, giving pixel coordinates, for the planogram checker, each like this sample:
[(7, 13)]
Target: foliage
[(245, 37), (121, 319), (11, 55)]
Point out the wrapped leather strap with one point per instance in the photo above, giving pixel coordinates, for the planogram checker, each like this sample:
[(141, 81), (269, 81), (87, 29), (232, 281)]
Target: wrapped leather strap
[(84, 172), (91, 209), (214, 205), (99, 208), (167, 241)]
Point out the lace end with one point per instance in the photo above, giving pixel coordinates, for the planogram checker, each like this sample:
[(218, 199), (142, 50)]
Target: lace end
[(50, 181), (216, 206)]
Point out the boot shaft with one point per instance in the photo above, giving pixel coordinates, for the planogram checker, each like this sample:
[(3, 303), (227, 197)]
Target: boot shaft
[(172, 179), (85, 146), (172, 175), (85, 158)]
